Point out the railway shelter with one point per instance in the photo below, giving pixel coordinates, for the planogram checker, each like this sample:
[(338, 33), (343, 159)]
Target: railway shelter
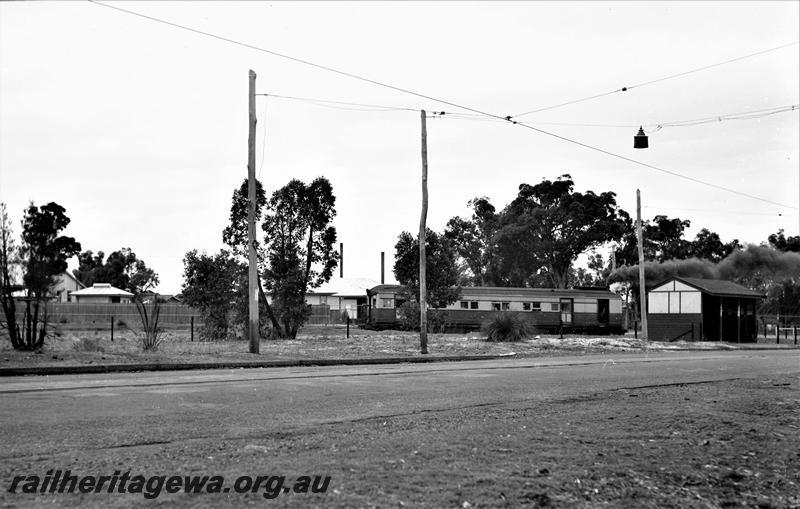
[(695, 309)]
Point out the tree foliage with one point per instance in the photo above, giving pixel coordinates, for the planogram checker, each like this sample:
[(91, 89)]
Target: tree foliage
[(472, 240), (297, 253), (299, 243), (663, 240), (546, 227), (441, 271), (781, 242), (9, 281), (214, 285), (122, 270), (42, 255)]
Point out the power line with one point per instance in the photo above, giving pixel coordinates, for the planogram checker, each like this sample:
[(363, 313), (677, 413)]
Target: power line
[(294, 59), (738, 213), (672, 76), (322, 102), (508, 118), (669, 172), (744, 115)]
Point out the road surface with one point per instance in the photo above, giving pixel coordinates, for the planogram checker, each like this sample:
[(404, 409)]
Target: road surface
[(296, 421)]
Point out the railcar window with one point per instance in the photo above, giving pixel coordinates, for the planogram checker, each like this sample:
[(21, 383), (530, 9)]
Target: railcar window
[(473, 304), (526, 306), (506, 306), (387, 303), (536, 306), (464, 304), (496, 306)]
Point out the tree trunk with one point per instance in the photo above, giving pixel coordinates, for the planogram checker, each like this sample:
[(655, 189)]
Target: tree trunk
[(309, 246), (271, 315)]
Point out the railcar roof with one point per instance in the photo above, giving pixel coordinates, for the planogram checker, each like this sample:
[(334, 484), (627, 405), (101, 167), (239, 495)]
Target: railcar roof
[(505, 292)]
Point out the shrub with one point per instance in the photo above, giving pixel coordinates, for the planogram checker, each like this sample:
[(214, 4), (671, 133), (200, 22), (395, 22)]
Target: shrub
[(408, 317), (506, 327), (152, 335)]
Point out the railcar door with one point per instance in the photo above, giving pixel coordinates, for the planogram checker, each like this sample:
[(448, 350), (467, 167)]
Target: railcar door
[(566, 311), (602, 311)]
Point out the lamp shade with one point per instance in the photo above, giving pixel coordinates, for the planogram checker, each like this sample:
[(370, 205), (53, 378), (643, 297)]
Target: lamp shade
[(640, 140)]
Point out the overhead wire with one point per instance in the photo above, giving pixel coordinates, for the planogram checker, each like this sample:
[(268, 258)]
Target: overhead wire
[(738, 213), (321, 102), (657, 80), (744, 115), (288, 57), (456, 105)]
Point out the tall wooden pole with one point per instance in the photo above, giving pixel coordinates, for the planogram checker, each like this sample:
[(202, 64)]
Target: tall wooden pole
[(252, 273), (423, 293), (642, 290)]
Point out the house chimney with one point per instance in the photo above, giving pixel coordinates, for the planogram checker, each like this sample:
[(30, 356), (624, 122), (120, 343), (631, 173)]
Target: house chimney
[(341, 259), (382, 264)]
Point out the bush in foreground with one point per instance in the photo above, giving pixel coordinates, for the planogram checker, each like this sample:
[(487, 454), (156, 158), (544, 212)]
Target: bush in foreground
[(506, 327)]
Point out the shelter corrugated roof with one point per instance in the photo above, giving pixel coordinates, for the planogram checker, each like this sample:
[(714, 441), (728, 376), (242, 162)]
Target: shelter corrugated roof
[(718, 287), (102, 290)]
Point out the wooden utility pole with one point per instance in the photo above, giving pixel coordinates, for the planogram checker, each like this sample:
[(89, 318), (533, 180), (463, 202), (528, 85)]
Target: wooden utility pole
[(252, 273), (642, 290), (423, 294)]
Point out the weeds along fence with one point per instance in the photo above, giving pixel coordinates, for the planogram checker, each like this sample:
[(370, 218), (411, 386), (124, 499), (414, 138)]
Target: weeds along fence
[(70, 315)]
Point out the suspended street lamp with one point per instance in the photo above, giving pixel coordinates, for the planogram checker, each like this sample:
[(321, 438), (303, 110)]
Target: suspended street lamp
[(640, 140)]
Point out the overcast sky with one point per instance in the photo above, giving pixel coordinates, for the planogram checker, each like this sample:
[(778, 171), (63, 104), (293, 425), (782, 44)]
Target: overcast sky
[(139, 129)]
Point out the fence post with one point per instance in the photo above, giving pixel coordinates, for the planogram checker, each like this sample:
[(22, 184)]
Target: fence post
[(778, 333), (635, 330), (795, 334), (191, 327), (348, 327), (765, 330), (692, 331), (112, 328)]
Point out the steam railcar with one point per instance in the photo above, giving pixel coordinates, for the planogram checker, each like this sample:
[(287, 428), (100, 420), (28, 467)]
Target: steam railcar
[(550, 310)]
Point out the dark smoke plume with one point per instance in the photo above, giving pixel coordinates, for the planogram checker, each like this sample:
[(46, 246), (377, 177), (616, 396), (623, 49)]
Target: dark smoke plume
[(753, 266)]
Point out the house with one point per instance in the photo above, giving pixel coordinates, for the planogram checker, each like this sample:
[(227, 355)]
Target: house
[(147, 297), (701, 309), (65, 284), (101, 293), (342, 295)]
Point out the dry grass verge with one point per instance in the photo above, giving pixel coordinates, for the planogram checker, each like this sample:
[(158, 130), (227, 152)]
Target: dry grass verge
[(71, 347)]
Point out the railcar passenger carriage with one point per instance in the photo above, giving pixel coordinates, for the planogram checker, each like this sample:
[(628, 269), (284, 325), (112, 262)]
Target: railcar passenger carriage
[(550, 310)]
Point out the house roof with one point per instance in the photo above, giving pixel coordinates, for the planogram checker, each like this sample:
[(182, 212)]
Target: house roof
[(345, 287), (102, 290), (385, 288), (717, 287), (72, 277)]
